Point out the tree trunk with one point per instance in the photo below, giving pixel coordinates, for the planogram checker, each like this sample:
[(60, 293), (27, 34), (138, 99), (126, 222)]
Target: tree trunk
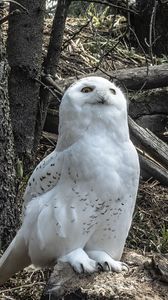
[(150, 26), (24, 48), (8, 206), (51, 63)]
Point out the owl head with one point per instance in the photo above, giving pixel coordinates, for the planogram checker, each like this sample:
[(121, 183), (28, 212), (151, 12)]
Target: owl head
[(90, 105), (94, 93)]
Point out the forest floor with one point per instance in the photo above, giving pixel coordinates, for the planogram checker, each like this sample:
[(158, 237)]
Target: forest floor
[(89, 46)]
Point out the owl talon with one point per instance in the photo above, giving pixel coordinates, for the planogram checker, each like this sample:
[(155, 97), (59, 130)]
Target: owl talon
[(82, 268), (80, 261), (99, 267), (106, 262), (106, 266), (125, 267)]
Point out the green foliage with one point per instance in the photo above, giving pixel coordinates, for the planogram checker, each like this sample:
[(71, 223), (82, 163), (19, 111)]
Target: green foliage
[(164, 240), (99, 14)]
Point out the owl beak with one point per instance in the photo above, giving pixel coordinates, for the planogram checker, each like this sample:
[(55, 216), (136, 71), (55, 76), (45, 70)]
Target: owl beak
[(101, 100)]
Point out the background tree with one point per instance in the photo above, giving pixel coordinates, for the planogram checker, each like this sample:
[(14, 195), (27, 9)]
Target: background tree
[(9, 214), (24, 50), (150, 25)]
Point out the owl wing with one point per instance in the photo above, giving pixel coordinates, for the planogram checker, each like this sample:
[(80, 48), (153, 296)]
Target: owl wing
[(44, 177)]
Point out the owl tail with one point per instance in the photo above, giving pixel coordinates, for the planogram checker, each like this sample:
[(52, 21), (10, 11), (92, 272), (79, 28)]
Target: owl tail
[(14, 259)]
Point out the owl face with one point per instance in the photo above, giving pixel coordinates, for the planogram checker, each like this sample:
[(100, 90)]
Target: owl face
[(94, 92)]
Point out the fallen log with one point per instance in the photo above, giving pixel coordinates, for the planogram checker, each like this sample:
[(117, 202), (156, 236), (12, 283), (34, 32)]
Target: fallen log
[(133, 79), (150, 168), (135, 284), (149, 142)]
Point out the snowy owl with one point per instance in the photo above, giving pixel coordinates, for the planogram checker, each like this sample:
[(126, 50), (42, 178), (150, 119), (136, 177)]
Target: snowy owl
[(80, 199)]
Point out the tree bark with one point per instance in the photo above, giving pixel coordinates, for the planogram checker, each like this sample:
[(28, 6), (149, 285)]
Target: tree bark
[(51, 63), (24, 49), (9, 214)]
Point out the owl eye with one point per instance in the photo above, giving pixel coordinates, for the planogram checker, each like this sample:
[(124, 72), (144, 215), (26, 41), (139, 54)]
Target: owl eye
[(87, 89), (113, 91)]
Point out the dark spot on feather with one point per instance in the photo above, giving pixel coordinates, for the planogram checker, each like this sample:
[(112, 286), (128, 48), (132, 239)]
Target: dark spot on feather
[(118, 199)]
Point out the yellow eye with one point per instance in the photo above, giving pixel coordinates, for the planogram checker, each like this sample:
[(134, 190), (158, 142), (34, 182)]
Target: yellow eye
[(113, 91), (87, 89)]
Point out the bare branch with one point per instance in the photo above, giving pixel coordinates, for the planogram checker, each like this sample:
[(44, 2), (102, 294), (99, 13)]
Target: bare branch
[(6, 18), (151, 31), (15, 2)]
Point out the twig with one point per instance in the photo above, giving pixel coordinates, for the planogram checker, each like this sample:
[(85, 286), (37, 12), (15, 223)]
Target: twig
[(22, 286), (75, 34), (151, 30), (48, 79), (48, 88), (6, 18), (147, 65), (110, 50), (15, 2)]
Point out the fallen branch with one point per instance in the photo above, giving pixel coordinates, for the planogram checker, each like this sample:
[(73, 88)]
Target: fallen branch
[(149, 168), (149, 142), (133, 79)]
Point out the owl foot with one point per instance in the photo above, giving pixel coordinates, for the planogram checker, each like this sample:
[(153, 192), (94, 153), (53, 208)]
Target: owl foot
[(80, 261), (106, 263)]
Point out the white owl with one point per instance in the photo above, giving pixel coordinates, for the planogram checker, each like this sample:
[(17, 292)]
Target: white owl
[(80, 199)]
